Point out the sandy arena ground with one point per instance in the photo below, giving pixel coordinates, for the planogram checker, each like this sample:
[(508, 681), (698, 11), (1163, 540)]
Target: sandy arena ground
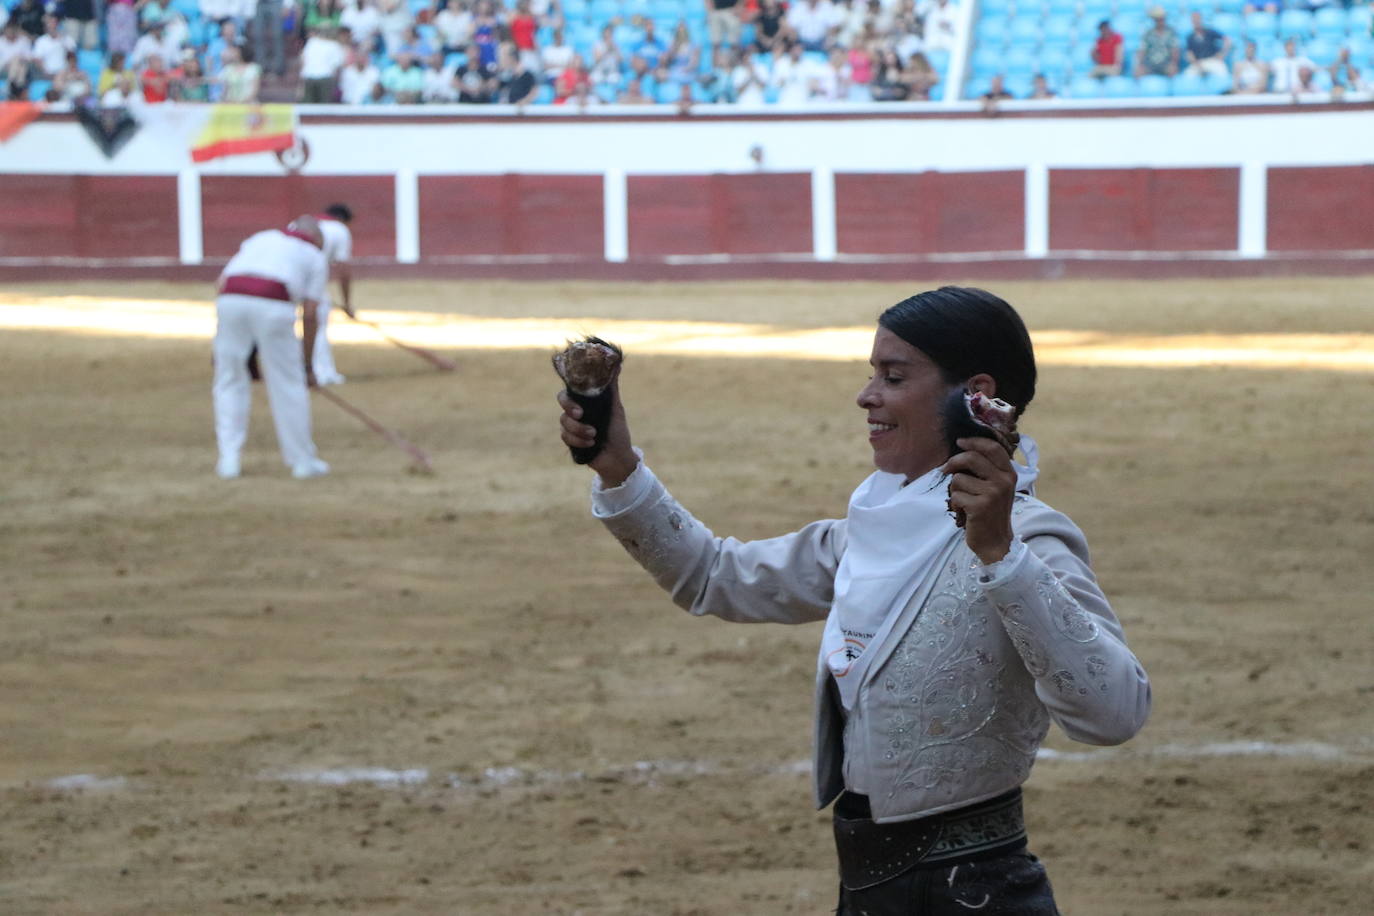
[(384, 692)]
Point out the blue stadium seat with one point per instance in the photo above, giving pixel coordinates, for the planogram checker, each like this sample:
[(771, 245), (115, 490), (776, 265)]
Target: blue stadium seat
[(38, 89), (1357, 19), (575, 10), (1154, 86), (1085, 87), (1229, 24), (1061, 7), (1231, 6), (606, 93), (88, 60), (1055, 60), (996, 9), (939, 59), (1024, 29), (1061, 28), (992, 31), (1260, 23), (603, 11), (1019, 85), (636, 8), (1020, 59), (1322, 52), (1119, 87), (1188, 85), (543, 95), (987, 59), (1329, 21), (937, 92), (1295, 22)]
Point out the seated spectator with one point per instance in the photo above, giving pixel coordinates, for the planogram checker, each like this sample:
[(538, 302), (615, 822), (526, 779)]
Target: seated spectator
[(395, 21), (1284, 70), (29, 15), (650, 47), (229, 34), (1345, 76), (860, 60), (941, 20), (814, 22), (114, 69), (632, 94), (323, 16), (748, 79), (714, 85), (1040, 88), (486, 34), (80, 20), (770, 27), (920, 78), (240, 78), (441, 86), (907, 31), (887, 84), (358, 78), (477, 83), (1108, 52), (556, 56), (1206, 50), (454, 25), (997, 93), (1250, 75), (121, 92), (414, 45), (607, 58), (515, 81), (121, 27), (71, 83), (1311, 85), (571, 79), (404, 80), (191, 85), (831, 81), (364, 22), (522, 26), (582, 98), (50, 49), (155, 80), (321, 60), (1159, 47), (16, 59), (682, 59), (791, 77), (154, 41)]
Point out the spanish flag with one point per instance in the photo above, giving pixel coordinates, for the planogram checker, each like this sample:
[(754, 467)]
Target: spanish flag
[(14, 116), (234, 130)]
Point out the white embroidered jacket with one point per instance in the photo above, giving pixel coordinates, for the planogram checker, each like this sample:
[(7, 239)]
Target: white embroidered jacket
[(957, 701)]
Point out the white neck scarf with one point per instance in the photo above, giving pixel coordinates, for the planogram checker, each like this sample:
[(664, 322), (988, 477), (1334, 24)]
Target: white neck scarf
[(896, 537)]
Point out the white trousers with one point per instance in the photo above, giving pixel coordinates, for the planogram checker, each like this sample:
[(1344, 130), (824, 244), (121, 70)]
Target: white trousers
[(323, 357), (246, 321)]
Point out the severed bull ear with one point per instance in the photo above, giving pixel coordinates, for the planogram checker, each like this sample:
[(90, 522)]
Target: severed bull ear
[(966, 414), (588, 368)]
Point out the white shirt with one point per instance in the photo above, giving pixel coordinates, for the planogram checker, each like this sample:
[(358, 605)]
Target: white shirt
[(555, 59), (338, 240), (454, 26), (148, 44), (1285, 72), (363, 22), (321, 58), (439, 85), (51, 52), (813, 23), (274, 255), (355, 86), (21, 47), (941, 24)]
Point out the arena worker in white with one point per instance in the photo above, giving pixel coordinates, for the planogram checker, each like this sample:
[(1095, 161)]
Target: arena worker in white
[(946, 650), (256, 307), (338, 249)]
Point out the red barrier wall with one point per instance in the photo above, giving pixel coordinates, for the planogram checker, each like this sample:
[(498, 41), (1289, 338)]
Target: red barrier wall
[(511, 214), (88, 216), (234, 207), (719, 214), (1144, 209), (930, 212), (1321, 208)]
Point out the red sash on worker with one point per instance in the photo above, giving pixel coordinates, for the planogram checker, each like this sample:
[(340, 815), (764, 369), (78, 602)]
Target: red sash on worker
[(243, 285), (296, 234)]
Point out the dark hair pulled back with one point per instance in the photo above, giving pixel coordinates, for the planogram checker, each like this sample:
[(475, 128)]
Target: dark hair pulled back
[(967, 331)]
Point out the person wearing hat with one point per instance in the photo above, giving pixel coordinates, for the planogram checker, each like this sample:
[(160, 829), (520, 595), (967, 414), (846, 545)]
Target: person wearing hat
[(1159, 47)]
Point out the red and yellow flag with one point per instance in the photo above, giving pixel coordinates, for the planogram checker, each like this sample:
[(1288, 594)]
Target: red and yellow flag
[(234, 130), (14, 116)]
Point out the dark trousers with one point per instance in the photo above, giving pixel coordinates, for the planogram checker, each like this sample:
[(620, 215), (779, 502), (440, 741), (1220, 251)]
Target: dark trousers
[(1008, 885), (268, 40)]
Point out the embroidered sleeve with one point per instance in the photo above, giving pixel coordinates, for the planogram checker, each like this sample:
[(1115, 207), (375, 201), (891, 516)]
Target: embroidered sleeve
[(787, 579), (1068, 637)]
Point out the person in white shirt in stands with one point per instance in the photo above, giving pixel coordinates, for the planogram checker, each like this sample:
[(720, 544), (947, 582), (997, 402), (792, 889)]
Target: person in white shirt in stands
[(439, 80), (338, 250), (941, 24), (364, 22), (1285, 69), (321, 59), (154, 41), (1250, 75), (359, 78), (256, 308), (960, 613), (555, 57), (51, 48), (16, 56), (454, 25), (815, 23)]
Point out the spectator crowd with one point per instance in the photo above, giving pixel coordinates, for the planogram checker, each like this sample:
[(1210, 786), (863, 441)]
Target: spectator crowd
[(582, 52)]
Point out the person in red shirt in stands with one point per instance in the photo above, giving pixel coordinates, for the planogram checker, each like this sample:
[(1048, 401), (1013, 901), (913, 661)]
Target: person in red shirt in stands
[(523, 26), (156, 80), (1108, 51)]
